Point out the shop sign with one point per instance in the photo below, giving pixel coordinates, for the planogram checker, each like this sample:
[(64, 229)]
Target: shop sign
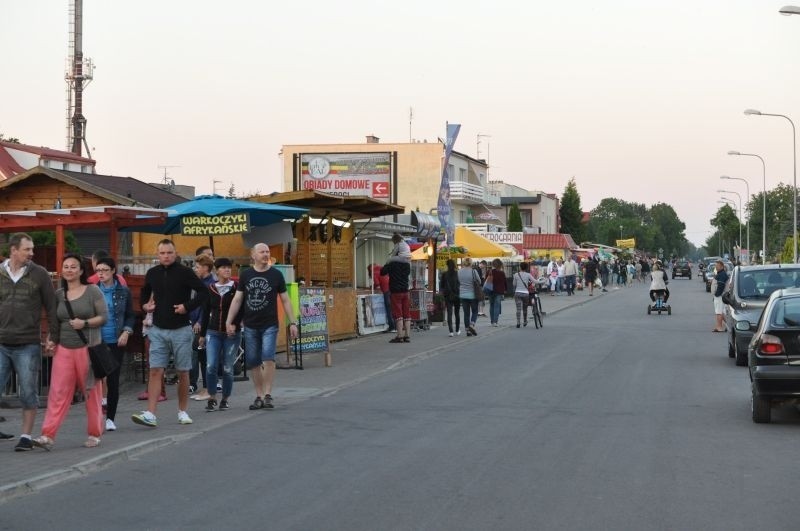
[(347, 174), (215, 225), (503, 237)]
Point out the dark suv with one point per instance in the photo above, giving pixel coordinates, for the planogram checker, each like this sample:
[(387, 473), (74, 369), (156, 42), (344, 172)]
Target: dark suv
[(774, 354), (682, 269), (746, 296)]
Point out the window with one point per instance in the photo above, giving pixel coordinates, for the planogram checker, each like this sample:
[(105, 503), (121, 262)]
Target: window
[(451, 170), (462, 174), (462, 216)]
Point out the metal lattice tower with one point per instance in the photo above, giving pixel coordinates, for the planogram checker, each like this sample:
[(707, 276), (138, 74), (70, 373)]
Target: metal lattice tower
[(79, 73)]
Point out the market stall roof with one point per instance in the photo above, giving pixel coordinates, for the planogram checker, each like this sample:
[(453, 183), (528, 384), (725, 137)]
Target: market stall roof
[(548, 241), (340, 206), (477, 246), (110, 217)]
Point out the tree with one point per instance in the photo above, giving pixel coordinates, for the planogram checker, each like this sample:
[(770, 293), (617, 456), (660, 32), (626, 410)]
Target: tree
[(514, 223), (727, 225), (571, 212), (779, 219), (231, 192), (11, 139)]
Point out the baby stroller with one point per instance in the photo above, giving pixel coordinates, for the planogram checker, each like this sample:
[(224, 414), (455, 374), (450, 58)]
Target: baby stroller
[(659, 305)]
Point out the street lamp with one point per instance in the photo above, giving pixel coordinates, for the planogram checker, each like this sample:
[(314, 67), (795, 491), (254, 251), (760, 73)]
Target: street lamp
[(748, 198), (763, 198), (748, 112), (740, 216), (789, 10), (620, 232)]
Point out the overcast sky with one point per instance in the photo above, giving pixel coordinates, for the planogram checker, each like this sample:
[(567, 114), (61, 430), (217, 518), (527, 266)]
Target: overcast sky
[(636, 99)]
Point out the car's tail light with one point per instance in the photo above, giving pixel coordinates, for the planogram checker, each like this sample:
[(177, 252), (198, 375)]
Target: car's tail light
[(770, 345)]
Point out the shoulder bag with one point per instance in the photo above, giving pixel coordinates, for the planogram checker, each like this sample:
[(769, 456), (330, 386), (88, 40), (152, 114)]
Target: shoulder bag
[(103, 363), (488, 284), (476, 286)]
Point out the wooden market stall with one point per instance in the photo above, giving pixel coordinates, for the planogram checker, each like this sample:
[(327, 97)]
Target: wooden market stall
[(324, 254)]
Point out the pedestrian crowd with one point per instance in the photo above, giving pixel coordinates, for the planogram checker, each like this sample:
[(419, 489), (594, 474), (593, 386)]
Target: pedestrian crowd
[(194, 322)]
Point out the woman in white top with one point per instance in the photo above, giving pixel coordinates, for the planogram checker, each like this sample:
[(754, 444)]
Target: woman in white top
[(522, 298)]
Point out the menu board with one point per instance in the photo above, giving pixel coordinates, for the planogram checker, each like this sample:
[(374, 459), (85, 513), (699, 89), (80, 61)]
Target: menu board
[(313, 331)]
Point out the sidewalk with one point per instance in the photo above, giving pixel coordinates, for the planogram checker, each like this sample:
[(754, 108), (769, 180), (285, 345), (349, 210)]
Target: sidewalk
[(354, 361)]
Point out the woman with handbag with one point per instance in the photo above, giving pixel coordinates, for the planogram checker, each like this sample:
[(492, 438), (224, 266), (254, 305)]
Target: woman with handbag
[(523, 284), (81, 312), (470, 292), (117, 329)]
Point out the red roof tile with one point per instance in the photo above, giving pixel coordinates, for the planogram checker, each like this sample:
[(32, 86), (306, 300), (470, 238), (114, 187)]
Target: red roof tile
[(48, 153), (8, 166), (548, 241)]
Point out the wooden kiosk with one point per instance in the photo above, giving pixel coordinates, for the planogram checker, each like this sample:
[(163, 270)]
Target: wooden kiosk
[(324, 253)]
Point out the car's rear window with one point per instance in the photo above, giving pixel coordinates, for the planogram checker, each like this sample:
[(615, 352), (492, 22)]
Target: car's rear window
[(760, 284), (786, 313)]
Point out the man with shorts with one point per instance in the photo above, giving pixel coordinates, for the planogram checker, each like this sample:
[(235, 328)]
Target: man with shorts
[(399, 273), (259, 289), (170, 283), (25, 289)]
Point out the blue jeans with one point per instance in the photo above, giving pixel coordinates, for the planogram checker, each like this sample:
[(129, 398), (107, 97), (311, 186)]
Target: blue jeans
[(26, 361), (495, 302), (470, 307), (259, 345), (221, 345), (387, 302), (570, 281)]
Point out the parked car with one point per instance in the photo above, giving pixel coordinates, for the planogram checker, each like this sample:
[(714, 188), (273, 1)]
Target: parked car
[(711, 271), (746, 296), (703, 265), (774, 354), (682, 269)]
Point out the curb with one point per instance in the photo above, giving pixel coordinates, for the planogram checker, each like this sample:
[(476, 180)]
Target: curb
[(84, 468)]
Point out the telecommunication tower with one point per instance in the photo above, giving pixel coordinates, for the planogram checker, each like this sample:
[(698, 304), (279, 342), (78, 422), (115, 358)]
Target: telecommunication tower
[(79, 74)]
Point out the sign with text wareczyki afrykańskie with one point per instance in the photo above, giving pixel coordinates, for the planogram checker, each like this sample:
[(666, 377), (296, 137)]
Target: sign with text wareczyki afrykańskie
[(220, 225)]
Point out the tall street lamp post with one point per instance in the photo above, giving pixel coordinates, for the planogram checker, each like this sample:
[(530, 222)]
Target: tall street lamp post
[(740, 216), (729, 202), (749, 112), (747, 185), (763, 198)]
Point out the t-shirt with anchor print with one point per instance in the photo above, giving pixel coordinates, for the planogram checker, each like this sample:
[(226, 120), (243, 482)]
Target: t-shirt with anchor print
[(261, 290)]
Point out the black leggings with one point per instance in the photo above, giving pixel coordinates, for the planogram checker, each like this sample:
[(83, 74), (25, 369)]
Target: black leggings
[(112, 381)]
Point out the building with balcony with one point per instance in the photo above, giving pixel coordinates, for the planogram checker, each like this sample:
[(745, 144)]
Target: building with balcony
[(407, 174), (539, 210)]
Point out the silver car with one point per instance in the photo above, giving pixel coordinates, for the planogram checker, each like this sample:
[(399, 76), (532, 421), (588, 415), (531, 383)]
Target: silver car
[(745, 297)]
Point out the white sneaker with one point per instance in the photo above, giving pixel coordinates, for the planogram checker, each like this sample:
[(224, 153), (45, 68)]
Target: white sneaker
[(451, 334), (110, 426), (184, 418), (458, 333)]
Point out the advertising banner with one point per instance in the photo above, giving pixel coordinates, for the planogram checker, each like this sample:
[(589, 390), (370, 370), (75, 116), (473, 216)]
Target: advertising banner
[(313, 330), (630, 243), (348, 174), (443, 204)]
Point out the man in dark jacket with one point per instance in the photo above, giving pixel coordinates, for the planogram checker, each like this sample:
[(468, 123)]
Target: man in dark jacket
[(25, 289), (170, 284), (399, 273)]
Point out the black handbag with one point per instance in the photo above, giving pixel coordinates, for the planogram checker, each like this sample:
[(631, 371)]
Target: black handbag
[(103, 362)]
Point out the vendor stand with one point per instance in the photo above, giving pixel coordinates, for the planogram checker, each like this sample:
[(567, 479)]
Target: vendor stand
[(323, 250)]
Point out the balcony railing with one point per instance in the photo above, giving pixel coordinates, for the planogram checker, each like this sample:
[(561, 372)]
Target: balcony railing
[(472, 194)]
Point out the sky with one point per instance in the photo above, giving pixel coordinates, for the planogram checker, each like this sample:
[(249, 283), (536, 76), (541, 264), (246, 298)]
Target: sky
[(634, 99)]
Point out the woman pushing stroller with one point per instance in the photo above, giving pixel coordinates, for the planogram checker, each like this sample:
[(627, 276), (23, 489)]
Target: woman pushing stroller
[(658, 282)]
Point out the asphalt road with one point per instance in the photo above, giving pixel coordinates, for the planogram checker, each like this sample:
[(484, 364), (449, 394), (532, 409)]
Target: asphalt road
[(605, 419)]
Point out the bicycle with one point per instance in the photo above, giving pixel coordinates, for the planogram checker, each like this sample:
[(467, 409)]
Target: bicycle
[(536, 308)]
